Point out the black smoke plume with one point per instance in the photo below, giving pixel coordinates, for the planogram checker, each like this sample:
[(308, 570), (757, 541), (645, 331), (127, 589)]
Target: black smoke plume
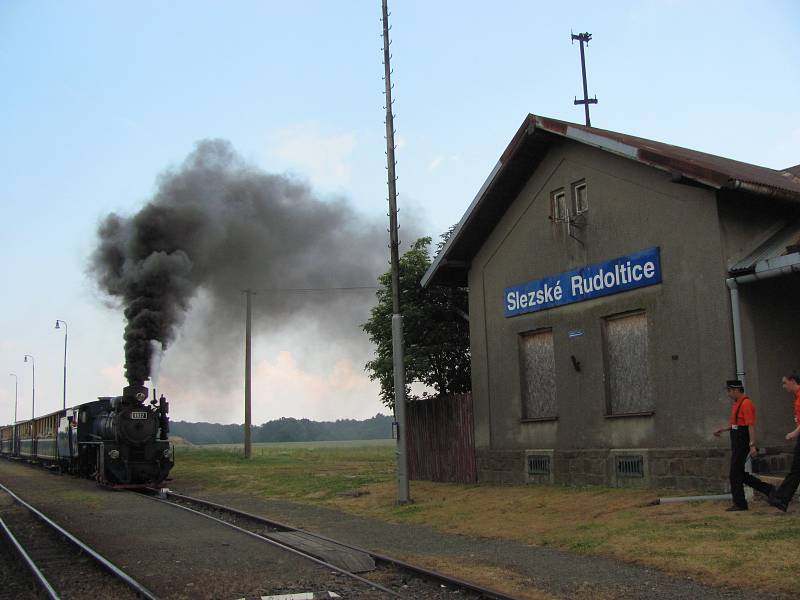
[(219, 224)]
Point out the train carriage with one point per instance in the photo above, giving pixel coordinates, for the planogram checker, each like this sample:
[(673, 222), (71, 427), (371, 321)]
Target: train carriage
[(45, 434), (7, 439), (26, 439)]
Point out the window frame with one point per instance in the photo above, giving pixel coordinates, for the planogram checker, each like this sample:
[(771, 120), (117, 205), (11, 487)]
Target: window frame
[(608, 413), (524, 416), (554, 205), (576, 210)]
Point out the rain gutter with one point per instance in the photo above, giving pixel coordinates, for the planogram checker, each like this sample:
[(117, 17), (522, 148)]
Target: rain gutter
[(762, 190)]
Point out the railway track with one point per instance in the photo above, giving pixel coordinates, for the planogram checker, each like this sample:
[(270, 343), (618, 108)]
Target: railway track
[(391, 576), (61, 565)]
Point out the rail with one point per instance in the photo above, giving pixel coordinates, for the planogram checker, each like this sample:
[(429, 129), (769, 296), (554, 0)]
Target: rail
[(41, 580), (103, 562), (488, 593)]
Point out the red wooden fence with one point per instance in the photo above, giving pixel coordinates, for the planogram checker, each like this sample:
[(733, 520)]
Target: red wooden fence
[(441, 440)]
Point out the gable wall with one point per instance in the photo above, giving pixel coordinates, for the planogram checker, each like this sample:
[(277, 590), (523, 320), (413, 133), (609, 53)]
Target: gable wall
[(632, 207)]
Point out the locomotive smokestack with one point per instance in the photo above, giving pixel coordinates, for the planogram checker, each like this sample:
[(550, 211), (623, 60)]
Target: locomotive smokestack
[(135, 391)]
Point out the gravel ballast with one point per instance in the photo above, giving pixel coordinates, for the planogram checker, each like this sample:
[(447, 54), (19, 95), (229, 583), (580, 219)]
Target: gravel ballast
[(559, 573), (175, 554)]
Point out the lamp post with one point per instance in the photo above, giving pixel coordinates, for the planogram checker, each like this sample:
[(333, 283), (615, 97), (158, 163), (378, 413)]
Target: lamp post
[(64, 323), (33, 385), (16, 393)]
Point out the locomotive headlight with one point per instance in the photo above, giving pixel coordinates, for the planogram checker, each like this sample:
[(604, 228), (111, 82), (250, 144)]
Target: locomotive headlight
[(166, 453), (114, 454)]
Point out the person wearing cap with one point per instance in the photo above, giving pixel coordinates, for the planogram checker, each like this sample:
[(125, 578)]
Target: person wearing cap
[(743, 443), (782, 495)]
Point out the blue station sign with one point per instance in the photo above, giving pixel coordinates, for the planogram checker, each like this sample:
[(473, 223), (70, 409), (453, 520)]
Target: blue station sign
[(621, 274)]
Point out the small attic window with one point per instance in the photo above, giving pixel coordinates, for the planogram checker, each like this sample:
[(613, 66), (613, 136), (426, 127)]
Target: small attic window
[(580, 198), (558, 206)]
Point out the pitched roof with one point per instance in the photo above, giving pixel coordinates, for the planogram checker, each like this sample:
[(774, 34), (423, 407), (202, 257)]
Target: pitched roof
[(531, 143)]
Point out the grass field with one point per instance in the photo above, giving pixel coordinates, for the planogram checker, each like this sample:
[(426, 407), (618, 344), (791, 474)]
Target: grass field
[(311, 471), (756, 549)]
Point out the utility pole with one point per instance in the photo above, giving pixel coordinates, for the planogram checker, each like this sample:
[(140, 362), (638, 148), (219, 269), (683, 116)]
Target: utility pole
[(16, 393), (66, 331), (403, 496), (247, 374), (33, 384), (584, 38)]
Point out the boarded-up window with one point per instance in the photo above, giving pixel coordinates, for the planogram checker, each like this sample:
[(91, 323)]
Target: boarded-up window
[(538, 373), (628, 385)]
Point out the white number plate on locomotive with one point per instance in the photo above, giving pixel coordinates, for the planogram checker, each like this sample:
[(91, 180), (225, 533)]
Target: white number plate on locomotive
[(138, 415)]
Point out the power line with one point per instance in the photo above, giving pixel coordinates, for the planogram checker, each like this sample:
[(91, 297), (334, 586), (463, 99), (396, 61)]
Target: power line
[(320, 289)]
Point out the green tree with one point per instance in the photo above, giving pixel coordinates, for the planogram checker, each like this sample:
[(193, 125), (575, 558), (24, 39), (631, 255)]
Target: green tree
[(435, 327)]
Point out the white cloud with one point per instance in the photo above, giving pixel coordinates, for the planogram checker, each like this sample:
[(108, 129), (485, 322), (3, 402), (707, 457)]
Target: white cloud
[(341, 390), (441, 159), (321, 156), (283, 386), (434, 164), (112, 377)]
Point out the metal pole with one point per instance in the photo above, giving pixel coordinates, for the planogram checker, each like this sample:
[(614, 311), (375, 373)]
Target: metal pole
[(14, 430), (16, 393), (247, 375), (33, 385), (66, 332), (585, 87), (584, 38), (403, 495)]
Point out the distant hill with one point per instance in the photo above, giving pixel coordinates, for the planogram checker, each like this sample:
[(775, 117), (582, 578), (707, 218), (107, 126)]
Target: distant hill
[(286, 429)]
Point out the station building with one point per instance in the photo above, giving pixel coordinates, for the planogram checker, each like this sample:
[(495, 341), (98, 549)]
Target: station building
[(615, 284)]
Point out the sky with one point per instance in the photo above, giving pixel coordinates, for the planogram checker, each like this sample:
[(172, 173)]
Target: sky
[(98, 99)]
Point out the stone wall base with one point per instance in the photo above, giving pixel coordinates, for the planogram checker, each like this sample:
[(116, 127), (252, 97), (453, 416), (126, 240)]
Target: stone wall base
[(697, 469)]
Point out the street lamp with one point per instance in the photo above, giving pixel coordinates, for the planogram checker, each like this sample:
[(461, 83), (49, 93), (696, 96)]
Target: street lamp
[(64, 323), (33, 386), (16, 393)]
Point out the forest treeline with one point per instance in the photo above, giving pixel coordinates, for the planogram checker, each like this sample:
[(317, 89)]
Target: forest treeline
[(286, 429)]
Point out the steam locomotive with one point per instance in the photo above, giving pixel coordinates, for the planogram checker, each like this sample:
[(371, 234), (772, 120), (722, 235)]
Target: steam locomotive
[(120, 441)]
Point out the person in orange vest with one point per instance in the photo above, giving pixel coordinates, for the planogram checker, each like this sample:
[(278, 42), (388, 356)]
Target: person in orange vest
[(782, 495), (743, 443)]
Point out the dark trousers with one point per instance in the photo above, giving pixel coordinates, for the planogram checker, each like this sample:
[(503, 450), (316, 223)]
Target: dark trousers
[(740, 448), (787, 489)]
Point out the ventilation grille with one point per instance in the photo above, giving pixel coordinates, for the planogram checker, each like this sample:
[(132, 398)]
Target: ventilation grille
[(630, 466), (538, 464)]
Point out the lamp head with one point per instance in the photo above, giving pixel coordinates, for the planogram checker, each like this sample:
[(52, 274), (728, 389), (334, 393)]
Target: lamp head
[(57, 324)]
